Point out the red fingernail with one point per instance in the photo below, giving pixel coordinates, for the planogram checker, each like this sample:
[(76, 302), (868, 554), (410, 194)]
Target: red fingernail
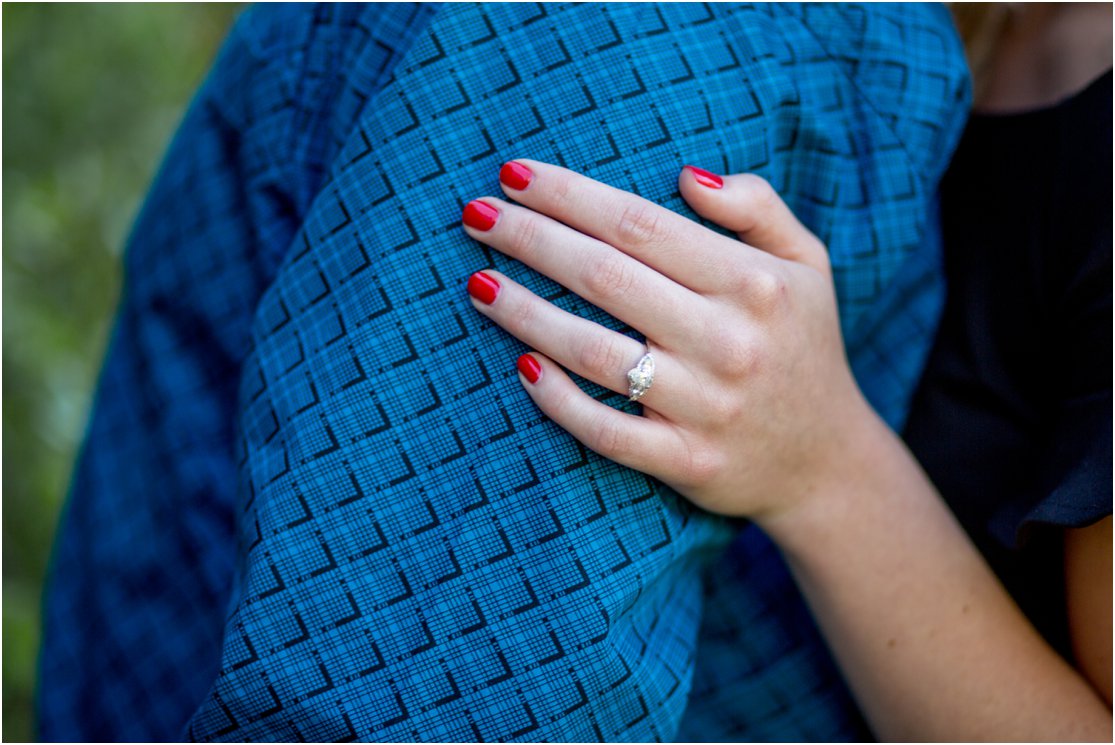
[(515, 175), (479, 215), (483, 287), (530, 368), (704, 178)]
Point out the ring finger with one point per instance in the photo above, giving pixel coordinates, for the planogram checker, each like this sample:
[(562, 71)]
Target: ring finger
[(586, 348)]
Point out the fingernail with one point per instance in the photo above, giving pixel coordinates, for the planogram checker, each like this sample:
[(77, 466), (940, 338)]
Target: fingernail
[(515, 175), (480, 215), (704, 178), (483, 287), (530, 368)]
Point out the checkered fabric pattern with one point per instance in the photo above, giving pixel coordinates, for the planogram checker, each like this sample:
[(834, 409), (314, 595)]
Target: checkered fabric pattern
[(314, 502)]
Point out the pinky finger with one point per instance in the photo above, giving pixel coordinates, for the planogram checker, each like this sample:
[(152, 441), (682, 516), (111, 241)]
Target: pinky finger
[(633, 441)]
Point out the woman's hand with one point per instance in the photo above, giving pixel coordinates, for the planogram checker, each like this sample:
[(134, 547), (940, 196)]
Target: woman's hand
[(752, 401), (754, 412)]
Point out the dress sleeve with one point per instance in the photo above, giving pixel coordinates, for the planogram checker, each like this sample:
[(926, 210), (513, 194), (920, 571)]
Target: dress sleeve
[(1078, 466), (1076, 484)]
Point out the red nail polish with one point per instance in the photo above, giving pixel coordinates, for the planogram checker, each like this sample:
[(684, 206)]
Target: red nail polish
[(704, 178), (483, 287), (515, 175), (530, 368), (479, 215)]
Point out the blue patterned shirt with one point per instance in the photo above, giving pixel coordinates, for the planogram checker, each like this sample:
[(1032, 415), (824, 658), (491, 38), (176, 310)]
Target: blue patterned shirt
[(314, 503)]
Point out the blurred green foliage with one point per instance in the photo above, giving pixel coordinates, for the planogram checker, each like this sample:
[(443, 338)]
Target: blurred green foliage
[(91, 96)]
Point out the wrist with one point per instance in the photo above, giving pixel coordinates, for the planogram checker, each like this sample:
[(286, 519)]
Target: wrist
[(849, 469)]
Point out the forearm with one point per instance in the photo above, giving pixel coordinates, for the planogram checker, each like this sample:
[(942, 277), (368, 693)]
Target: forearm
[(931, 644)]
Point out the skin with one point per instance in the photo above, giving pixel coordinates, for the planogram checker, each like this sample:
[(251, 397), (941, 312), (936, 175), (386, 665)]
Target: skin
[(754, 412), (1049, 51)]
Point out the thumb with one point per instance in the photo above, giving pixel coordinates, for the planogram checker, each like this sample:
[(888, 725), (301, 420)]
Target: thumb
[(750, 206)]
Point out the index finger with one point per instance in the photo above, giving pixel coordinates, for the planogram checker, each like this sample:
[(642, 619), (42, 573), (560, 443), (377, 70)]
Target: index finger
[(683, 250)]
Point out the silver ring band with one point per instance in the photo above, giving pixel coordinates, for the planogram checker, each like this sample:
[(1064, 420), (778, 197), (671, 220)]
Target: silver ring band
[(640, 378)]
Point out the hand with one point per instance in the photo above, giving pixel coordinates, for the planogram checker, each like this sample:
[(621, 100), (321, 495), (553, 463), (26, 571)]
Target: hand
[(755, 413), (752, 402)]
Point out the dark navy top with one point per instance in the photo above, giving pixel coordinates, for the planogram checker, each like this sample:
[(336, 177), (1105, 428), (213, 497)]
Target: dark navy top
[(1012, 419)]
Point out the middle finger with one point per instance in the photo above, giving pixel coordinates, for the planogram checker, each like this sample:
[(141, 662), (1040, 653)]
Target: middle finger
[(605, 276)]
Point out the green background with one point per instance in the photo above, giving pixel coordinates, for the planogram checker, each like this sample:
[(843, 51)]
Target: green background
[(91, 96)]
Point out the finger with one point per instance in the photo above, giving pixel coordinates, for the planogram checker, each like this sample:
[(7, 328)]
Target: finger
[(588, 349), (681, 249), (629, 290), (647, 445), (749, 205)]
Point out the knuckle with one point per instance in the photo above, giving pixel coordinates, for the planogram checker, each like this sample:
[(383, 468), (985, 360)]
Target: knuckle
[(701, 466), (558, 398), (733, 276), (521, 315), (760, 193), (737, 355), (767, 289), (561, 193), (640, 224), (610, 439), (724, 409), (600, 355), (523, 236), (730, 411), (709, 401), (610, 275)]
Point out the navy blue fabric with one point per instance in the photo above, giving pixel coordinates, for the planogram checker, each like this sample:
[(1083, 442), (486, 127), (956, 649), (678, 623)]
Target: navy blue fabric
[(1012, 420), (314, 502)]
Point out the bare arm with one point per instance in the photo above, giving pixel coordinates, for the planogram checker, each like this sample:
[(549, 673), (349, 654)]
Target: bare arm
[(1088, 595), (931, 644)]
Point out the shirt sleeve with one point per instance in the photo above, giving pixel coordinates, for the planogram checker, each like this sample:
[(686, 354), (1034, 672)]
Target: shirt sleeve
[(144, 556), (315, 502), (422, 555)]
